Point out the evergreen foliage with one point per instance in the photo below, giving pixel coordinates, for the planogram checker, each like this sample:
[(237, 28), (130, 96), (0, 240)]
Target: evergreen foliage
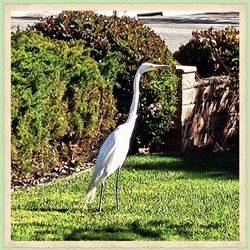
[(136, 44), (60, 99), (72, 78)]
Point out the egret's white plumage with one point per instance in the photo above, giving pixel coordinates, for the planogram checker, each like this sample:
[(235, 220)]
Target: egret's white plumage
[(114, 150), (110, 157)]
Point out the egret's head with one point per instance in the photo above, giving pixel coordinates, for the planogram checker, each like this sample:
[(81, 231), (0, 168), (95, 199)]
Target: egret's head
[(145, 67)]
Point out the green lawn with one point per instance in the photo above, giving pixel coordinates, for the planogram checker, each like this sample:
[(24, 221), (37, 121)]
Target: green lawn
[(176, 197)]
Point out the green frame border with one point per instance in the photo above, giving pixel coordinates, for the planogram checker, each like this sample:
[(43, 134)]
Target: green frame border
[(126, 1)]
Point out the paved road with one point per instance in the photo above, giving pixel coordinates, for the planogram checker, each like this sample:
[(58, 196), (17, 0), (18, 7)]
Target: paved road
[(175, 30)]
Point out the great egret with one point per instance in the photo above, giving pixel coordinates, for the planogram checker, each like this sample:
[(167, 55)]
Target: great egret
[(114, 149)]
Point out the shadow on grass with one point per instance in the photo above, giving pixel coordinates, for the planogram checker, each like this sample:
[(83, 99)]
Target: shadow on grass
[(137, 230), (129, 232), (50, 209), (215, 165), (155, 230), (133, 231)]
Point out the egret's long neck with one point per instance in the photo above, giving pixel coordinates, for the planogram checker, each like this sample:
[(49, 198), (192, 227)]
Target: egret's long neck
[(135, 101)]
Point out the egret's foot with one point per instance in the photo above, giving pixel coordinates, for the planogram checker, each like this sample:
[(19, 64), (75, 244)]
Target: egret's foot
[(99, 210)]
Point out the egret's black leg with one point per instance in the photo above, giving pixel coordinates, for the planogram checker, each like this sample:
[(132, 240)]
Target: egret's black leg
[(101, 196), (116, 188)]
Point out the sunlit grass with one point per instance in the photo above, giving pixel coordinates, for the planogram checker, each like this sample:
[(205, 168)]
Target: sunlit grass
[(186, 197)]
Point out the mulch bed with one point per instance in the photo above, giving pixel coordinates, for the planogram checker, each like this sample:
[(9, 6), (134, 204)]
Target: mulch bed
[(57, 172)]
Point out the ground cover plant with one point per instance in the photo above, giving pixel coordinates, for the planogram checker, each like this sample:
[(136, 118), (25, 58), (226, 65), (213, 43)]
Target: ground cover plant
[(192, 196)]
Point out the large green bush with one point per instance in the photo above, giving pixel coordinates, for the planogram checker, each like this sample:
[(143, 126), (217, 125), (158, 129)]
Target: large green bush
[(136, 44), (62, 102), (72, 78)]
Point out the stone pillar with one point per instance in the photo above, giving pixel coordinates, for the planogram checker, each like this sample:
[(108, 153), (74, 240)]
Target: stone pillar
[(188, 97)]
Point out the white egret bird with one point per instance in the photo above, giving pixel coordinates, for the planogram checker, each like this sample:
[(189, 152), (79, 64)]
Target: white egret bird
[(114, 149)]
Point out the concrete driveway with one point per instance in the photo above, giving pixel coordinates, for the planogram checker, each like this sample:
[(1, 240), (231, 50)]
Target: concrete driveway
[(177, 30)]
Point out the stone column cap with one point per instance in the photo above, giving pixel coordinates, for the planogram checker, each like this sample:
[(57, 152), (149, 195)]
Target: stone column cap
[(183, 69)]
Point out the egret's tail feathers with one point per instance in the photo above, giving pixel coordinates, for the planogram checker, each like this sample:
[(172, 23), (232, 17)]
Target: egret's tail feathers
[(90, 196)]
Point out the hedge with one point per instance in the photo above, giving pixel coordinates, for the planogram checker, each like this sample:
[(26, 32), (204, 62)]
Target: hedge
[(60, 98)]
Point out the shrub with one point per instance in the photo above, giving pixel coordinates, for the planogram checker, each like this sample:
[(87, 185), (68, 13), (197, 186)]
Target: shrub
[(72, 83), (62, 102), (136, 44), (214, 52)]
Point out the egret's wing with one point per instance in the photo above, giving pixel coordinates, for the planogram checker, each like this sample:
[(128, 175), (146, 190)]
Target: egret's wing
[(111, 155), (107, 147), (104, 163), (113, 151), (105, 154)]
